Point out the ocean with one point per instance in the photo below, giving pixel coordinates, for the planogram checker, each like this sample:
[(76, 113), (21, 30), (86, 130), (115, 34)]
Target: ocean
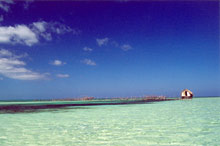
[(193, 122)]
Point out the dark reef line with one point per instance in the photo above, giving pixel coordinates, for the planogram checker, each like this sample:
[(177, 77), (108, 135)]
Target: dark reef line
[(19, 108)]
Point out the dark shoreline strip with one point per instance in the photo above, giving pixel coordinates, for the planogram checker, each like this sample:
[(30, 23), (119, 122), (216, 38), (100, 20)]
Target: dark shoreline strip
[(31, 108)]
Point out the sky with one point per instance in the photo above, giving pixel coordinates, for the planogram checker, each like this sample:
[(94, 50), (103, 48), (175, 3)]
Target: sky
[(68, 49)]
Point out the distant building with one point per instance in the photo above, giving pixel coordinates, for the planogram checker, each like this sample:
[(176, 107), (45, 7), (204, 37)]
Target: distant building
[(186, 94)]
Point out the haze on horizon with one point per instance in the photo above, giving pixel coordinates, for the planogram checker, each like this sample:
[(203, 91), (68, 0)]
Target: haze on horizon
[(60, 49)]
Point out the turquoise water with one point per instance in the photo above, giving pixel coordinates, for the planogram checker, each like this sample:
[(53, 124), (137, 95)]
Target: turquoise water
[(181, 122)]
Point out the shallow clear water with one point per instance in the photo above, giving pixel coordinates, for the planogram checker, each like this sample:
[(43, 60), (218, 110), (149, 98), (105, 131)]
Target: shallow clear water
[(181, 122)]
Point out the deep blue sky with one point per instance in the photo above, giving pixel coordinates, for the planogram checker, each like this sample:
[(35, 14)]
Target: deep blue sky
[(111, 49)]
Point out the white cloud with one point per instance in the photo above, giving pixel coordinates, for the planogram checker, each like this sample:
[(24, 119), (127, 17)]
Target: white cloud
[(12, 67), (87, 49), (89, 62), (102, 42), (62, 75), (30, 35), (18, 34), (57, 63), (126, 47), (4, 5)]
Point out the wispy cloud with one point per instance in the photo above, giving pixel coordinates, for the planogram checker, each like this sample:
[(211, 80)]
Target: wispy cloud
[(4, 5), (89, 62), (40, 28), (60, 28), (87, 49), (126, 47), (1, 18), (13, 67), (5, 53), (107, 41), (47, 29), (31, 34), (53, 27), (123, 0), (27, 3), (102, 42), (115, 44), (57, 63), (62, 75)]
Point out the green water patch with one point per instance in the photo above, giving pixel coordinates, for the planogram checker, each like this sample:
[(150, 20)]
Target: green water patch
[(193, 122)]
